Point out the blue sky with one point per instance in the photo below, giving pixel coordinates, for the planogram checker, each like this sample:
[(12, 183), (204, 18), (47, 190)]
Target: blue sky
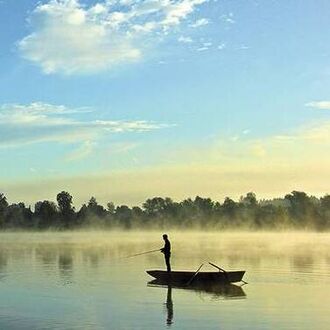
[(179, 96)]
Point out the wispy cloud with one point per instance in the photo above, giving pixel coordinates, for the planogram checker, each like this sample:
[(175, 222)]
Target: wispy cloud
[(83, 151), (200, 22), (322, 105), (41, 122), (121, 147), (185, 40), (222, 46), (205, 46), (312, 134), (71, 37), (229, 18), (296, 148)]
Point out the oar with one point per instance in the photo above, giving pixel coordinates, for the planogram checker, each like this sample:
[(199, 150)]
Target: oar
[(195, 274), (140, 254), (221, 269), (225, 273), (217, 267)]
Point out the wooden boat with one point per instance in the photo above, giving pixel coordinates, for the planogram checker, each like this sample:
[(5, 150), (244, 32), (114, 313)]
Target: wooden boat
[(187, 277)]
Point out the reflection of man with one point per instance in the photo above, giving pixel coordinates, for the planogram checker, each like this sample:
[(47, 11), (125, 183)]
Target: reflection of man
[(167, 252), (169, 306)]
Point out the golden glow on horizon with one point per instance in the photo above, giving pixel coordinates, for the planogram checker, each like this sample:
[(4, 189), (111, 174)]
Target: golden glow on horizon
[(226, 167)]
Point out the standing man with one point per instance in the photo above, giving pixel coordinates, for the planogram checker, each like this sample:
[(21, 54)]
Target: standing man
[(167, 252)]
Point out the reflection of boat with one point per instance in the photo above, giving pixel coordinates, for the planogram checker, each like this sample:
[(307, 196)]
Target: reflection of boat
[(185, 277), (221, 290)]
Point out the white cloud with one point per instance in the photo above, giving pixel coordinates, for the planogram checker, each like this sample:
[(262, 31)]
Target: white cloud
[(222, 46), (322, 105), (70, 37), (121, 147), (84, 150), (228, 18), (185, 40), (202, 49), (243, 47), (305, 146), (314, 134), (204, 46), (200, 22), (40, 122), (246, 131)]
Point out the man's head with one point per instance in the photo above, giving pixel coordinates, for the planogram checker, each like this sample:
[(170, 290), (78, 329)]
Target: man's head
[(164, 237)]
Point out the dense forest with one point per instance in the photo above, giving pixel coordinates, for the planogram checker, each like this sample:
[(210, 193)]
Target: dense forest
[(296, 210)]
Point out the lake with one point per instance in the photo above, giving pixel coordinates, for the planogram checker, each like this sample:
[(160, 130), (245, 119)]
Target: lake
[(83, 280)]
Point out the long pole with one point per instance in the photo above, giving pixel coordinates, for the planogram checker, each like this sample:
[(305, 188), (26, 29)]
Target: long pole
[(195, 274), (221, 269), (217, 267), (139, 254), (225, 273)]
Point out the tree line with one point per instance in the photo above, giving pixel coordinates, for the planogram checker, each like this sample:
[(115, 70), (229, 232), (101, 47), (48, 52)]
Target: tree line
[(296, 210)]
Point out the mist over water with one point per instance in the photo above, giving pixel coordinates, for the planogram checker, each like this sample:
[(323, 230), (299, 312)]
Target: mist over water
[(83, 280)]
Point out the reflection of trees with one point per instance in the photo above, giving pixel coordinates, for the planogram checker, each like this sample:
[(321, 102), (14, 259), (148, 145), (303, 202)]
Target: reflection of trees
[(91, 257), (303, 262), (46, 254), (3, 262), (65, 265)]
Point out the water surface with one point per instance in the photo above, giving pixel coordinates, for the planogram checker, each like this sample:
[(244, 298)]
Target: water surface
[(83, 281)]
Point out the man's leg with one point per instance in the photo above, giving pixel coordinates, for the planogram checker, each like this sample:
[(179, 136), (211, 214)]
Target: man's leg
[(168, 265)]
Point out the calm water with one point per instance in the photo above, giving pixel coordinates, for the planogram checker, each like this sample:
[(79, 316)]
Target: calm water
[(82, 281)]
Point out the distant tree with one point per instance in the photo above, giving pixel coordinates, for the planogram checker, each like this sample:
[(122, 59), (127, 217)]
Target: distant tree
[(248, 209), (111, 207), (185, 213), (265, 217), (325, 202), (3, 202), (161, 211), (157, 205), (123, 215), (3, 208), (204, 205), (301, 208), (92, 214), (325, 212), (67, 213), (64, 200), (202, 209), (18, 216), (137, 211), (46, 214), (229, 207), (95, 209), (110, 215), (249, 200)]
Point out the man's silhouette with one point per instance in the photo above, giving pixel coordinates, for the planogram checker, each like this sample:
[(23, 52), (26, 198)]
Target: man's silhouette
[(167, 252)]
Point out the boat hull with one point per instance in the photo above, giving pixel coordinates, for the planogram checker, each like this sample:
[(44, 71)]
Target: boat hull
[(184, 277)]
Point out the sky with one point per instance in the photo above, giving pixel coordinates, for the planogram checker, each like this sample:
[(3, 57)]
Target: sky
[(129, 99)]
